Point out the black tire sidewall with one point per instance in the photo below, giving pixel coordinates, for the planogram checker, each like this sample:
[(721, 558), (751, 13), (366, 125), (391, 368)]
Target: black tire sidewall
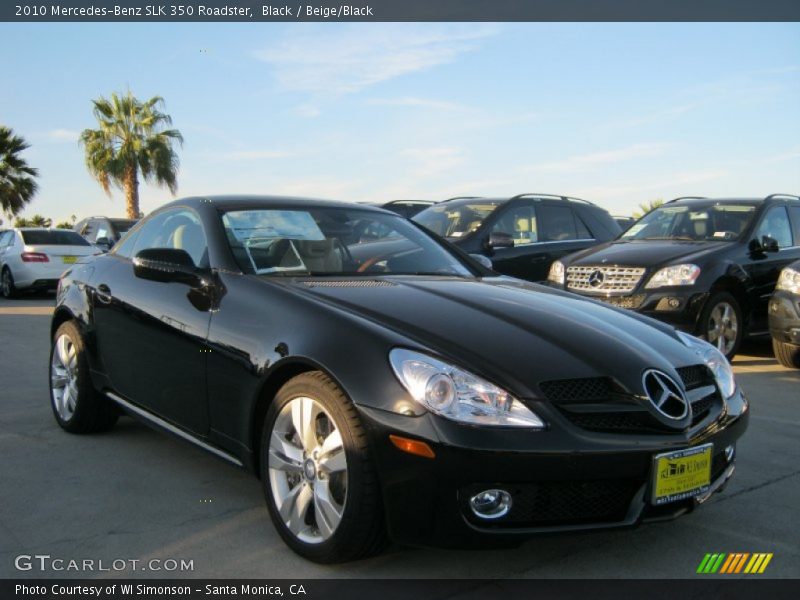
[(12, 290)]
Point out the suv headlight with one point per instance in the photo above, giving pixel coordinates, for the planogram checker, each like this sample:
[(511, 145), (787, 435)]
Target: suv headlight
[(789, 281), (714, 360), (674, 275), (556, 274), (457, 394)]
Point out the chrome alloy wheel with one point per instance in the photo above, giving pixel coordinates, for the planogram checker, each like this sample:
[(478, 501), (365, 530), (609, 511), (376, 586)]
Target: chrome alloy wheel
[(308, 470), (723, 327), (64, 377)]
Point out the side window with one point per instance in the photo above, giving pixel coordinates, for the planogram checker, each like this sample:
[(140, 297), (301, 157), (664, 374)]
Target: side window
[(520, 222), (775, 224), (180, 229), (102, 232), (557, 223), (794, 215), (87, 230), (582, 229)]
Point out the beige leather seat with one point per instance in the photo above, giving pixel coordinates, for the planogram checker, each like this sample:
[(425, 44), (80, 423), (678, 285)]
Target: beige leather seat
[(190, 237)]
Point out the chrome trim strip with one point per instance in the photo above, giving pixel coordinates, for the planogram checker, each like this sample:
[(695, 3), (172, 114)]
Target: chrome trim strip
[(159, 422)]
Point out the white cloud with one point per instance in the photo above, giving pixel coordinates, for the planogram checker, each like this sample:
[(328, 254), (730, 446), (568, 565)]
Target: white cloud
[(342, 60), (661, 186), (62, 135), (414, 102), (585, 162), (432, 161)]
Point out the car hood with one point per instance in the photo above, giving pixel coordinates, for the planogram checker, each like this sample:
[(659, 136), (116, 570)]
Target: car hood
[(512, 332), (645, 253)]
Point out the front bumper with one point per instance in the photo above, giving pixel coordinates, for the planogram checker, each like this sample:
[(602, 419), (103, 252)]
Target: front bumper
[(561, 479), (784, 317)]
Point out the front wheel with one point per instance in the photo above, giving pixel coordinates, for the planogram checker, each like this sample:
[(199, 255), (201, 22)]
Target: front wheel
[(721, 323), (77, 406), (787, 354), (318, 476)]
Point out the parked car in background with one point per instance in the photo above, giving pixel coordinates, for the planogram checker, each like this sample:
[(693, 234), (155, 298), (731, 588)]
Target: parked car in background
[(521, 235), (103, 232), (34, 258), (706, 266), (411, 395), (624, 222), (784, 316), (406, 208)]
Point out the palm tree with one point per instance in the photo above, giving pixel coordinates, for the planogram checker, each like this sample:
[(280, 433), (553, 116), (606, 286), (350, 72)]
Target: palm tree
[(17, 183), (133, 139), (646, 207), (34, 221)]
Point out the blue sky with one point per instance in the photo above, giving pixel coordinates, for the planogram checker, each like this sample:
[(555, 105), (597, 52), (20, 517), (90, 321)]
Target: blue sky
[(615, 113)]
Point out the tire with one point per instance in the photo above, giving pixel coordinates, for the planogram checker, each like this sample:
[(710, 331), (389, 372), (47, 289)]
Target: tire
[(324, 489), (787, 354), (77, 406), (7, 287), (722, 317)]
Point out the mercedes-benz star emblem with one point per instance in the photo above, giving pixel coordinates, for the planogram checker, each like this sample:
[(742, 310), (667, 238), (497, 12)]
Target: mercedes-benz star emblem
[(666, 395), (596, 278)]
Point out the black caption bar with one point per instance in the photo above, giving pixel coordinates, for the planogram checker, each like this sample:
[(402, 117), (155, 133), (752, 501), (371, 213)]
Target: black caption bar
[(406, 589), (399, 10)]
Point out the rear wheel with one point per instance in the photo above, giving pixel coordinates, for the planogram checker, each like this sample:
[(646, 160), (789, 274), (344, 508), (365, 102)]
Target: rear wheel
[(787, 354), (7, 286), (319, 480), (721, 323), (77, 406)]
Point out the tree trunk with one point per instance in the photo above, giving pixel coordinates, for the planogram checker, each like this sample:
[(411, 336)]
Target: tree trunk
[(132, 193)]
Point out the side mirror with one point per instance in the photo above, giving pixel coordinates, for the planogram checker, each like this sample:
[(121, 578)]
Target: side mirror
[(166, 265), (769, 244), (103, 243), (499, 239), (483, 260)]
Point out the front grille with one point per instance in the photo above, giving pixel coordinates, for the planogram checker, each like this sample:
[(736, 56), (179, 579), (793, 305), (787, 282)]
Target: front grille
[(349, 283), (603, 279), (554, 503), (694, 376), (590, 389)]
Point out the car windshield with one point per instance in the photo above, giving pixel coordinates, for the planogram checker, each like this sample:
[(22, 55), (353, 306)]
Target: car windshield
[(53, 237), (719, 222), (122, 225), (455, 220), (334, 241)]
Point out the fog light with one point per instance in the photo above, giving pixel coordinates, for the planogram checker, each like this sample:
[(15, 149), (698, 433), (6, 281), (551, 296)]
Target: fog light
[(491, 504), (730, 452)]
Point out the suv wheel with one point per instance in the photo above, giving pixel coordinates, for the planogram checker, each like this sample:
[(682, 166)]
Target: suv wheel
[(7, 284), (77, 406), (319, 481), (787, 354), (721, 323)]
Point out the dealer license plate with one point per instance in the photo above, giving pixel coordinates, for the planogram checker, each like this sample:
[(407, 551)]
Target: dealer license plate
[(681, 474), (69, 260)]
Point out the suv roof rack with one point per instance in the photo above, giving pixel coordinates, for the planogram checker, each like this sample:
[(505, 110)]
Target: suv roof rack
[(771, 196), (549, 196), (687, 198), (462, 198)]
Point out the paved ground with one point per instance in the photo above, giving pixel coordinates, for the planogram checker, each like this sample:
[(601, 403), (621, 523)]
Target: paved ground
[(136, 494)]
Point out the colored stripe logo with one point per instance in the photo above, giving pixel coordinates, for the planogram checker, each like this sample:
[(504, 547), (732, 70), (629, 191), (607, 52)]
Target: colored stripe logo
[(736, 562)]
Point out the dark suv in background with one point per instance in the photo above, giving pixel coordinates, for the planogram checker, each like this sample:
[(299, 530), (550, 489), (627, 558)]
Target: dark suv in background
[(521, 235), (706, 266), (103, 232)]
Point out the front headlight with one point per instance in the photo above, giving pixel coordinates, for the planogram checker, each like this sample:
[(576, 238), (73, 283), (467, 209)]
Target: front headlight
[(714, 360), (674, 275), (789, 281), (458, 395), (556, 274)]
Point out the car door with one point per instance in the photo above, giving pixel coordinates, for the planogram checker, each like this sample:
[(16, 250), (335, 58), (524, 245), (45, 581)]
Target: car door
[(151, 335), (766, 266), (518, 220)]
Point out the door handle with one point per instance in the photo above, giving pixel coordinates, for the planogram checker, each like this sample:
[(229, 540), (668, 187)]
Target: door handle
[(103, 293)]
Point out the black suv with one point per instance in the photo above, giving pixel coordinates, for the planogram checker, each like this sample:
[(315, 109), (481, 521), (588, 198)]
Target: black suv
[(706, 266), (103, 232), (521, 235)]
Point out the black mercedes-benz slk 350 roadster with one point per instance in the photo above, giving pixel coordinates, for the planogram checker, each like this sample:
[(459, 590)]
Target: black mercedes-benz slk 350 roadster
[(382, 391)]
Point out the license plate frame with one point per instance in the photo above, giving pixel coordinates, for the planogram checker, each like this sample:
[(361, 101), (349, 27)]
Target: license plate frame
[(690, 472)]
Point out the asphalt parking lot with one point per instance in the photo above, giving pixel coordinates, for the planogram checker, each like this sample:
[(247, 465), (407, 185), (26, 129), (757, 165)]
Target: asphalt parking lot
[(136, 494)]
